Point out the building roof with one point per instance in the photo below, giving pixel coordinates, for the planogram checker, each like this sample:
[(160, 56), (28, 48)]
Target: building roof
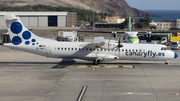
[(34, 13)]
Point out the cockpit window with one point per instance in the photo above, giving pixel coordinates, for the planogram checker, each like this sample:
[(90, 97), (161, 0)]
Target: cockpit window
[(164, 48)]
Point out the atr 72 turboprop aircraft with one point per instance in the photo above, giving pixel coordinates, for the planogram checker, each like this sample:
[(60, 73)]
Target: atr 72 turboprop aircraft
[(98, 50)]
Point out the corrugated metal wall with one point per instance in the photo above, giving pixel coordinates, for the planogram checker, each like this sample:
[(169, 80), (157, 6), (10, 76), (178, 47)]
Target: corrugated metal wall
[(2, 21), (33, 21), (25, 20), (62, 21), (37, 21), (43, 21)]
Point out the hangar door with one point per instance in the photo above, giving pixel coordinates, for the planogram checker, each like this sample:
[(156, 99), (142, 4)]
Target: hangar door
[(52, 20)]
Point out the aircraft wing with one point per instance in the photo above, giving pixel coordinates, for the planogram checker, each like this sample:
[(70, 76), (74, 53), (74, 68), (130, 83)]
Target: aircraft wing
[(98, 42), (101, 42)]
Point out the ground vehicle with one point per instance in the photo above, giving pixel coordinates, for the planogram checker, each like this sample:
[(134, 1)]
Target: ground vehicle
[(174, 45)]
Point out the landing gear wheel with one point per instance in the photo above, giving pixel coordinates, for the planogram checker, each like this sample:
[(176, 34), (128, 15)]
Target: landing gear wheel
[(166, 62), (96, 62)]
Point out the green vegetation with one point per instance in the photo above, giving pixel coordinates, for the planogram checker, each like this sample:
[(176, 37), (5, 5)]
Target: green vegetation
[(125, 24), (143, 23), (83, 15)]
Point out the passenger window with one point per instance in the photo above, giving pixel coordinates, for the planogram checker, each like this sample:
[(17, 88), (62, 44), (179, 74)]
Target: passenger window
[(58, 48), (136, 50), (71, 48), (86, 49), (97, 49), (101, 49), (122, 50), (64, 48), (129, 50), (133, 50), (75, 48), (126, 50), (139, 50), (104, 49), (79, 48), (61, 48), (68, 48), (82, 49), (90, 49)]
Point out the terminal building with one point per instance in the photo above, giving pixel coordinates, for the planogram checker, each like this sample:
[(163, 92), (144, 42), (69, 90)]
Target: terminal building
[(167, 25), (43, 19), (110, 22)]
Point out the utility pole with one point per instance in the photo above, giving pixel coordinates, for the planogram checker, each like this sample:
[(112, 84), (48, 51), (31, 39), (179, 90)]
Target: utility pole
[(93, 18)]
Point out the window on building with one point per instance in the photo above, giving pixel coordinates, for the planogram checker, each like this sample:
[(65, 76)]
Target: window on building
[(174, 34)]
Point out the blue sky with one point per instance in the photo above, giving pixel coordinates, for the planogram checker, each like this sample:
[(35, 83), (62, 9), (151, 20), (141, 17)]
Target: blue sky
[(155, 4)]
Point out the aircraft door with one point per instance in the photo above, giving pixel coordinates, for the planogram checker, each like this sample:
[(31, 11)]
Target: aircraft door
[(48, 51), (119, 51)]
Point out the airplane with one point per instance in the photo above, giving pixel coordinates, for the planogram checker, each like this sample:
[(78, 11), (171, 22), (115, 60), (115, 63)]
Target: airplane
[(129, 37), (99, 50)]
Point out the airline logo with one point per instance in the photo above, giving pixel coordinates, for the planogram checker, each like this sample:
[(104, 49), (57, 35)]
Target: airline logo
[(145, 54), (133, 40), (21, 36)]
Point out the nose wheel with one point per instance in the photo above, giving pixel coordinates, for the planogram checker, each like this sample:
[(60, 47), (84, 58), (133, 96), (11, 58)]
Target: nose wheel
[(166, 62)]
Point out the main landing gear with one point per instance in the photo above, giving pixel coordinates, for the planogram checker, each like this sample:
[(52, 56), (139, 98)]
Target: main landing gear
[(96, 62)]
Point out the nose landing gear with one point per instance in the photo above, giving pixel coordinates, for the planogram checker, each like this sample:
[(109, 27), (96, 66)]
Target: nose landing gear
[(166, 62)]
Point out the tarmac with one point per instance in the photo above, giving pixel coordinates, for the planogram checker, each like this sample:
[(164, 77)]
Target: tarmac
[(29, 77)]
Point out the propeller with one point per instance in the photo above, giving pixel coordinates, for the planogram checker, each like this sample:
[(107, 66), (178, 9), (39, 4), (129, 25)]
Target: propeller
[(119, 44)]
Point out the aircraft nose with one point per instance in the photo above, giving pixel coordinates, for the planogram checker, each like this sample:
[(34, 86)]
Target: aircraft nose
[(175, 55)]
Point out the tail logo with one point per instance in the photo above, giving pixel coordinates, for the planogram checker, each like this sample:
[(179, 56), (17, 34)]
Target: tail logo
[(17, 28)]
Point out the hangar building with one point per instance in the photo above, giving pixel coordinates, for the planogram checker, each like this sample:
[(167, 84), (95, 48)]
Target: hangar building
[(40, 19)]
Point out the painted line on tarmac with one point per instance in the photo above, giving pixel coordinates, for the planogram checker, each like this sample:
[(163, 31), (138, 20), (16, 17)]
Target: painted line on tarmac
[(95, 66), (93, 69), (81, 94)]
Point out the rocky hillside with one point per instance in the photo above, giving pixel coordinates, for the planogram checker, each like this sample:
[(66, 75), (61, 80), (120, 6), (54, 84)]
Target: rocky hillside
[(115, 7)]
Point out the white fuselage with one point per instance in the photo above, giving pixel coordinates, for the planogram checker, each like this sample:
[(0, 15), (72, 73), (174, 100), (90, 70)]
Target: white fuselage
[(82, 50)]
